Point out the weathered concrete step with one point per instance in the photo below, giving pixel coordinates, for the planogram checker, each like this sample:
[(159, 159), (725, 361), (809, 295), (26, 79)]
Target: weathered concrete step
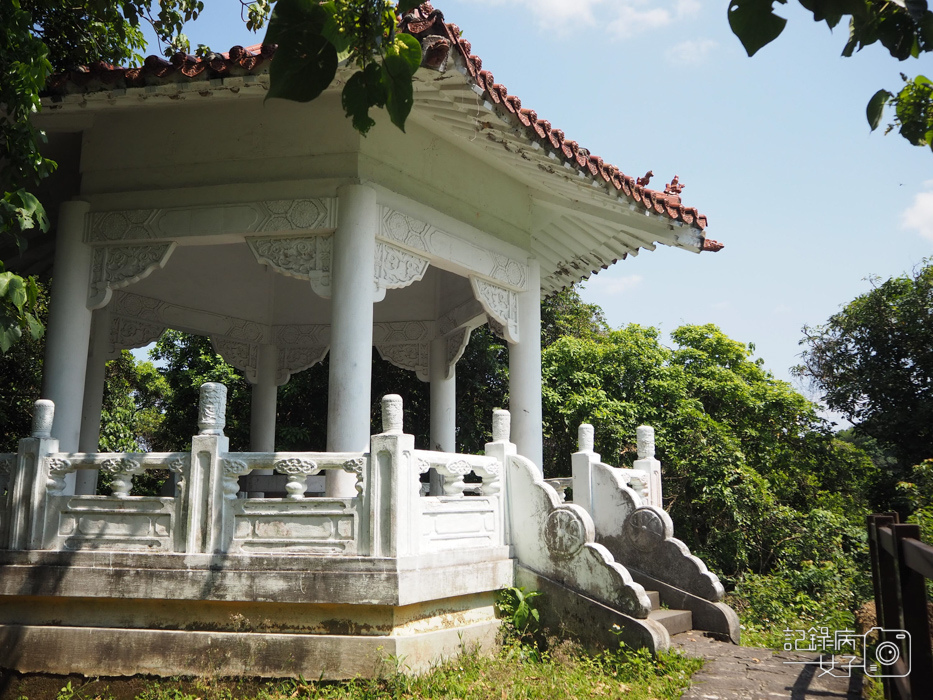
[(655, 599), (674, 621)]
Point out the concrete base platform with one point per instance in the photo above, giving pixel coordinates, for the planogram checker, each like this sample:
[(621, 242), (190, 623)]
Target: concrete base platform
[(107, 651), (107, 614)]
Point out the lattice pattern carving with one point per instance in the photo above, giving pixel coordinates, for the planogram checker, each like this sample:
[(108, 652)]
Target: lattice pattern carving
[(183, 222)]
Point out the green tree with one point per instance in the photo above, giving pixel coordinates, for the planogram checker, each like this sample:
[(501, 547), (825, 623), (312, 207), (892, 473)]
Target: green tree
[(745, 456), (905, 29), (38, 38), (873, 362), (188, 362)]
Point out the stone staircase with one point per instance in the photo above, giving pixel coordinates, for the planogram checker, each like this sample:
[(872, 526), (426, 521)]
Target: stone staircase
[(674, 621)]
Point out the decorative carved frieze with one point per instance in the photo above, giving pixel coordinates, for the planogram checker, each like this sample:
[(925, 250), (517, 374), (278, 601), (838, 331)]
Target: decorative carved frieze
[(184, 222), (295, 359), (114, 267), (299, 347), (456, 345), (414, 357), (301, 335), (501, 305), (126, 333), (403, 332), (295, 215), (137, 321), (420, 236), (243, 356), (396, 268), (134, 224), (301, 258)]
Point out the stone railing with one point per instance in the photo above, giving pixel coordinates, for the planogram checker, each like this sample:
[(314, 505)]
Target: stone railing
[(208, 514), (625, 505)]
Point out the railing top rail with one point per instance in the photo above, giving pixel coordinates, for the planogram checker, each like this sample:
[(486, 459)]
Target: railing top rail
[(434, 457), (886, 539), (129, 460), (919, 557), (328, 460)]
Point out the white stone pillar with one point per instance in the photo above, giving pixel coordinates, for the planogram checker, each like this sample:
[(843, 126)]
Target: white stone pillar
[(69, 329), (525, 372), (262, 411), (351, 345), (263, 402), (95, 376), (443, 407)]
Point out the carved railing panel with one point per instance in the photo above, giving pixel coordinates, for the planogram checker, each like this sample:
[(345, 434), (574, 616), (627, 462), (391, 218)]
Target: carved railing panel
[(119, 522)]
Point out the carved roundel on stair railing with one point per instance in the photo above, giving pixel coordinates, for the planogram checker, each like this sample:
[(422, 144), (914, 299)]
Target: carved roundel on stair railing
[(645, 529), (564, 533)]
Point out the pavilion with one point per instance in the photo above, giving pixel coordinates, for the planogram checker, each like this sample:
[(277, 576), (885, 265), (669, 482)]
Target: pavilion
[(185, 201)]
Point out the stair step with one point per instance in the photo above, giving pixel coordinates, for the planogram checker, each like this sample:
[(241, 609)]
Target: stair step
[(655, 599), (674, 621)]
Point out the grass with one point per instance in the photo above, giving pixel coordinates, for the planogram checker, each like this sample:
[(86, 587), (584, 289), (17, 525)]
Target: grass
[(518, 671)]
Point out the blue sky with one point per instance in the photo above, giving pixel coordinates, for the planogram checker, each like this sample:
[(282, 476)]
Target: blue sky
[(775, 150)]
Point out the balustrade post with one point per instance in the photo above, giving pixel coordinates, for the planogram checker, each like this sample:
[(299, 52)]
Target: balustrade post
[(392, 487), (29, 480), (501, 449), (644, 436), (206, 516), (581, 463)]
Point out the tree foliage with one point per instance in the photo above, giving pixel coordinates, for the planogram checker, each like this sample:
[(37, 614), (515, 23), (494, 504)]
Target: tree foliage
[(746, 458), (873, 361), (905, 29), (313, 38), (38, 38)]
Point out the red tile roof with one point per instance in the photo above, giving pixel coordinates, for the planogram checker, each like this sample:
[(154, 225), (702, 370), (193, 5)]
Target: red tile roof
[(437, 38)]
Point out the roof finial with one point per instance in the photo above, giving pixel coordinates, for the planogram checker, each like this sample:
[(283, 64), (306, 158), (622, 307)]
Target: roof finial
[(643, 181), (674, 186)]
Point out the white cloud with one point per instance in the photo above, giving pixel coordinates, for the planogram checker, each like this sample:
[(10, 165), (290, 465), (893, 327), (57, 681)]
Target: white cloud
[(690, 52), (604, 284), (919, 216), (619, 19)]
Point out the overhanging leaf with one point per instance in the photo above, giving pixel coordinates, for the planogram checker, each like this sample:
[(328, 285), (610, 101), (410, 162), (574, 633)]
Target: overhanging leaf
[(400, 94), (409, 48), (363, 90), (754, 23), (876, 106), (294, 18), (302, 69)]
